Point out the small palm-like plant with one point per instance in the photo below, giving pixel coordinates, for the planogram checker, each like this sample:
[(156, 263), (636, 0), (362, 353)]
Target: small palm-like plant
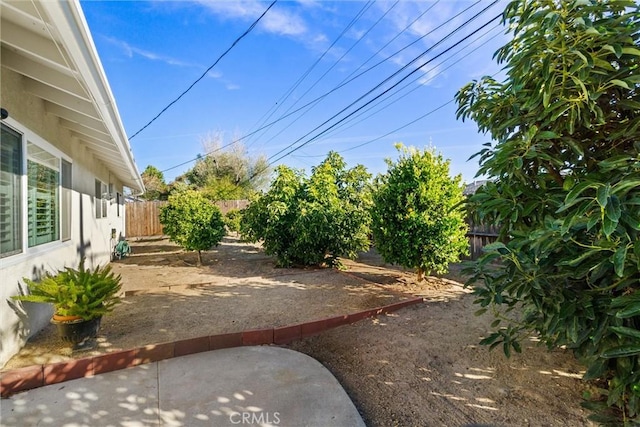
[(81, 292)]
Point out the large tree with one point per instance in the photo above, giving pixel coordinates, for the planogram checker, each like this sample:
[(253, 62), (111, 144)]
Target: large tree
[(312, 220), (156, 188), (227, 172), (418, 215), (565, 171)]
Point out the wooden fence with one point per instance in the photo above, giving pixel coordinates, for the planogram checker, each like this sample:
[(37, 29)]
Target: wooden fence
[(143, 218), (479, 236)]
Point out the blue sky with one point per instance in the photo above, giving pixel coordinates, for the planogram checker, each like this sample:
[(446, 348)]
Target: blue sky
[(319, 54)]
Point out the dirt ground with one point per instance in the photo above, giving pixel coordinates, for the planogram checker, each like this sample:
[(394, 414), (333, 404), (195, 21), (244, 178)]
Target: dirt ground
[(420, 366)]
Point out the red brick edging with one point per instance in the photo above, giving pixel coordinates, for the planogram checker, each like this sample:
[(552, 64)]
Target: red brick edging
[(21, 379)]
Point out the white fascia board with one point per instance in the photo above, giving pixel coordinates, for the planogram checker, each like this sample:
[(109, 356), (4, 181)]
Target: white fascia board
[(68, 19)]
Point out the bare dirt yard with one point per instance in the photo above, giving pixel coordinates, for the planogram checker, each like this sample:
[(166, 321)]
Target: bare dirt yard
[(420, 366)]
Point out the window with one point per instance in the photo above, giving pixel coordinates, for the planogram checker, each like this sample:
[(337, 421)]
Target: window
[(43, 206), (35, 192), (10, 192), (101, 199)]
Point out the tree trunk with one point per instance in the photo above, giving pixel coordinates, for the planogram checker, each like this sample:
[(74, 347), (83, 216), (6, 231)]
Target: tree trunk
[(199, 258), (420, 274)]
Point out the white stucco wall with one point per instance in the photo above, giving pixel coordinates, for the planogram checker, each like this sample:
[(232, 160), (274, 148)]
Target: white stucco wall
[(90, 237)]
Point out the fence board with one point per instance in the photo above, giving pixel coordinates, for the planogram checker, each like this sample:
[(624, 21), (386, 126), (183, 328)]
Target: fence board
[(143, 217), (479, 236)]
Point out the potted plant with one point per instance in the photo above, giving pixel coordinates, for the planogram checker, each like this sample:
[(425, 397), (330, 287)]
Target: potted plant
[(80, 298)]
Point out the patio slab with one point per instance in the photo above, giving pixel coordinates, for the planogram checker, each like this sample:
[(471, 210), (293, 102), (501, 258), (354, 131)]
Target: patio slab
[(236, 386)]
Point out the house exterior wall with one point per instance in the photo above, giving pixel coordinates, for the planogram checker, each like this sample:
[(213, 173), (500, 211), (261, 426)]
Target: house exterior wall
[(91, 237)]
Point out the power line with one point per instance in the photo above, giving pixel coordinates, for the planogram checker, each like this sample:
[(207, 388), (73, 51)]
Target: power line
[(349, 80), (251, 27), (399, 128), (288, 93), (385, 81), (402, 96), (326, 72), (358, 109)]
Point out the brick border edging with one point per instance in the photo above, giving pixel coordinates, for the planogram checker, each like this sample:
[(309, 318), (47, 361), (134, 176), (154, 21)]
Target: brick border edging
[(26, 378)]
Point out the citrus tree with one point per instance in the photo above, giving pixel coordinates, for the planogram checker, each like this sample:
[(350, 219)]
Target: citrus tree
[(565, 171), (418, 218), (312, 220), (192, 221)]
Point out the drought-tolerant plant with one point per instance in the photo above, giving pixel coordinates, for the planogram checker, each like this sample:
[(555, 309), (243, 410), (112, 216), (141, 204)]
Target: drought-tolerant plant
[(565, 168), (418, 218), (314, 220), (192, 221), (78, 292)]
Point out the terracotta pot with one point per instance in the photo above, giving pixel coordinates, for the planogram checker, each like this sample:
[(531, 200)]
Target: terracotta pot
[(60, 318)]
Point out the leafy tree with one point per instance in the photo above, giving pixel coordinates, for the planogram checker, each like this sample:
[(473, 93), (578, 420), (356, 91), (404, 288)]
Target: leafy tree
[(153, 180), (418, 215), (232, 220), (192, 221), (270, 216), (227, 174), (565, 167), (315, 220)]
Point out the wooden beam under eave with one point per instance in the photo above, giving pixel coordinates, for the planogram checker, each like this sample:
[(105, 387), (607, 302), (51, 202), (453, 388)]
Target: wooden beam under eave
[(85, 131), (75, 117), (30, 44), (64, 99), (37, 71)]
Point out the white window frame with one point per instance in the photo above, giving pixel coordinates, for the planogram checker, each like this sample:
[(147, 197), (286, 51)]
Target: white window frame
[(28, 136), (100, 199)]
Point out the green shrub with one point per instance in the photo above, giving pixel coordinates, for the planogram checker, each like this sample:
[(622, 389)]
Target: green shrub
[(418, 215), (76, 292), (315, 220), (566, 187), (192, 221), (232, 220)]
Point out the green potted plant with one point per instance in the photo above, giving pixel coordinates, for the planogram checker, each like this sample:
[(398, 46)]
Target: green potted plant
[(80, 298)]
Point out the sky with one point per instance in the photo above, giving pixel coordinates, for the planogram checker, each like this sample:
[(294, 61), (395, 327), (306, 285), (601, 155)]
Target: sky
[(311, 77)]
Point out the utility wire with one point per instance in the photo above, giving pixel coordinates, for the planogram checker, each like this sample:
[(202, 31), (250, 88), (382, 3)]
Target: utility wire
[(327, 72), (344, 83), (361, 107), (251, 27), (347, 79), (387, 80), (416, 87), (409, 25), (399, 128), (288, 93)]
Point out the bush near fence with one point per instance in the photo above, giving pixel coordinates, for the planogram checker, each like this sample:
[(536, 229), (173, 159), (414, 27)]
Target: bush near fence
[(143, 220), (143, 217)]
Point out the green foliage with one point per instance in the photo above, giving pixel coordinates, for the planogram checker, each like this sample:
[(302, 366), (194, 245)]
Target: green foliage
[(418, 215), (192, 221), (76, 292), (566, 185), (315, 220), (227, 174), (155, 187), (232, 220)]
